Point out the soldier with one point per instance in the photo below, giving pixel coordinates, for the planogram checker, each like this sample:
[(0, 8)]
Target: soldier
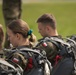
[(62, 63), (47, 28), (20, 36), (11, 11)]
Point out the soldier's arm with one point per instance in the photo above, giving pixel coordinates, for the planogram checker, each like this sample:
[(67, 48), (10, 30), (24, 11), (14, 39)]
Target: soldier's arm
[(20, 60)]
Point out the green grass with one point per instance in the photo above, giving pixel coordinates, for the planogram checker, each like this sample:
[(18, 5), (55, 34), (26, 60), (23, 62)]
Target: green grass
[(65, 14)]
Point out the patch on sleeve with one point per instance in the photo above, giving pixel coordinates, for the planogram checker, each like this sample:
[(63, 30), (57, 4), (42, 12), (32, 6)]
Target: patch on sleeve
[(15, 60), (44, 44)]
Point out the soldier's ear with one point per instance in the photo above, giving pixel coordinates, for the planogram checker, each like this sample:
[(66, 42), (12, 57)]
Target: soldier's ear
[(18, 35), (47, 27)]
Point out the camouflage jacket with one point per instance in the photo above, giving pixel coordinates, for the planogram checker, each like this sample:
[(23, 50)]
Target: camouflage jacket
[(22, 59)]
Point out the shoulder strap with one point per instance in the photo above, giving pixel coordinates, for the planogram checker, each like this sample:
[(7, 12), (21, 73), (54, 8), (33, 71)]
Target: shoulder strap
[(60, 44), (57, 40), (30, 50)]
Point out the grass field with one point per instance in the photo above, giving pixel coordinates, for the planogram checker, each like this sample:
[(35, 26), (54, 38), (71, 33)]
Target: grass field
[(65, 13)]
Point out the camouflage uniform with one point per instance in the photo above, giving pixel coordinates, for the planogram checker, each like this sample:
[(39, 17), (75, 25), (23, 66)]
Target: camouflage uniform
[(49, 47), (11, 11), (20, 60), (17, 57)]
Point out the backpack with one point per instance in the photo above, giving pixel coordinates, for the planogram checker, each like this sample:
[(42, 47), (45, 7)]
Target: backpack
[(66, 46), (41, 64)]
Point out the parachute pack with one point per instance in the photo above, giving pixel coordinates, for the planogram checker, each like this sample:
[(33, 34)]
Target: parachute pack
[(41, 64), (66, 46)]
